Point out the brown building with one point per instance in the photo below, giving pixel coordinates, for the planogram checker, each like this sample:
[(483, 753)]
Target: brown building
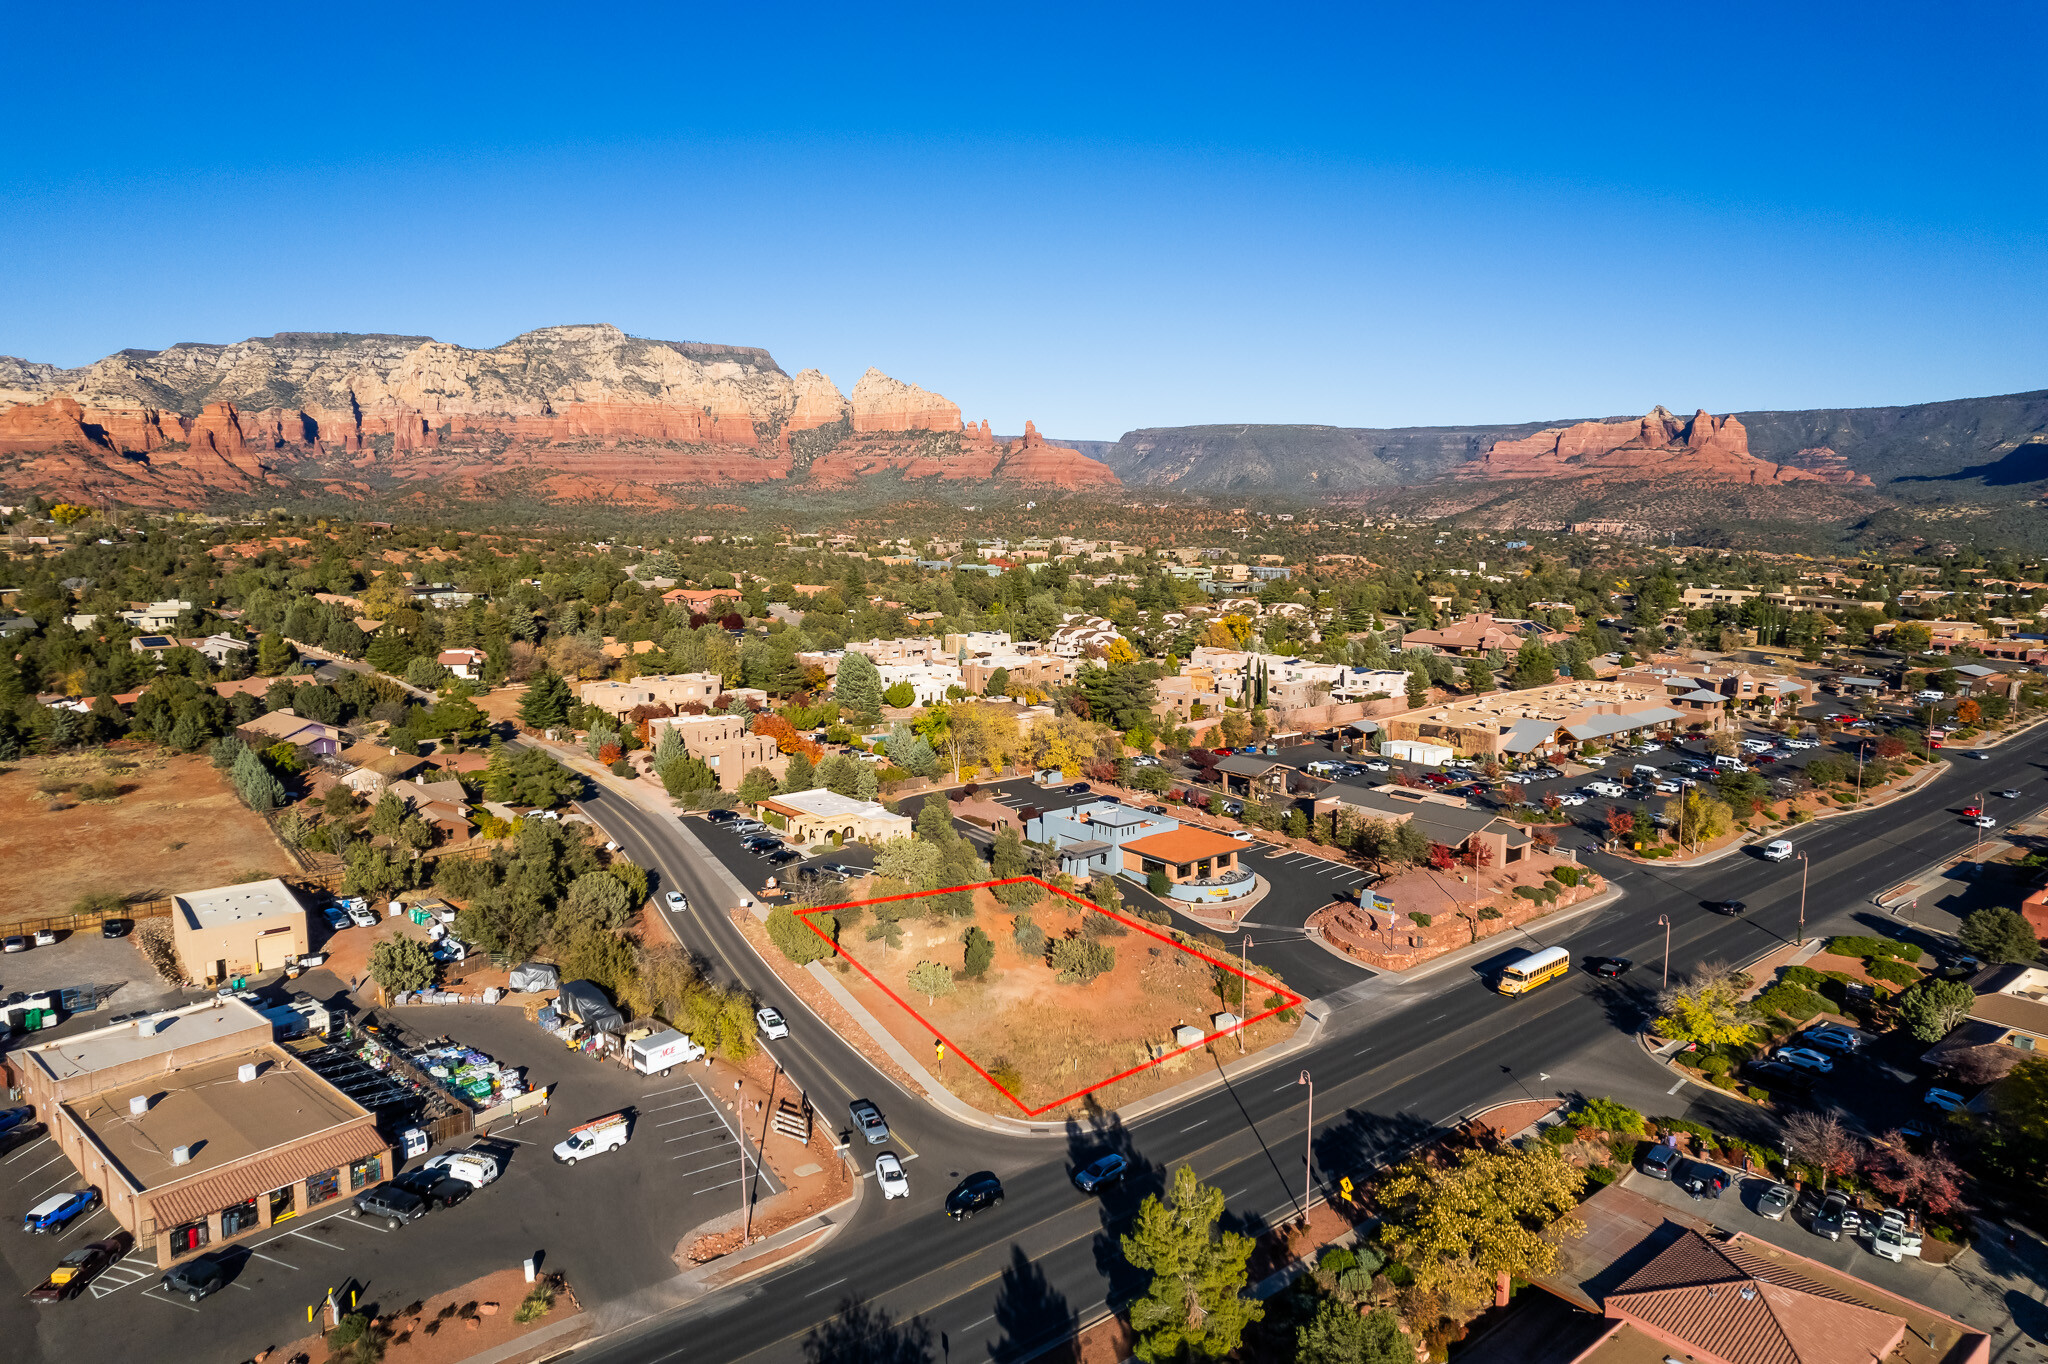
[(1472, 636), (238, 930), (724, 744), (674, 690), (1541, 720), (1043, 671), (197, 1128)]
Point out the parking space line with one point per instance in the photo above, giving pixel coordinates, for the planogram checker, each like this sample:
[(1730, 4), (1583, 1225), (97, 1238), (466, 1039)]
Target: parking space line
[(47, 1187), (273, 1259), (25, 1174), (83, 1223), (672, 1089), (694, 1117), (168, 1301), (359, 1222)]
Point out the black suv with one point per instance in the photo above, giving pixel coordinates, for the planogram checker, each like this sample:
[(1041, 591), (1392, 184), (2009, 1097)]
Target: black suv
[(979, 1190), (1778, 1075), (197, 1277), (393, 1202), (436, 1188)]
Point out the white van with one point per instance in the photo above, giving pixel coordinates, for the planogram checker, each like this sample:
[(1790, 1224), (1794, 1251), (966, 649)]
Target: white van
[(1777, 850), (593, 1138), (1729, 761)]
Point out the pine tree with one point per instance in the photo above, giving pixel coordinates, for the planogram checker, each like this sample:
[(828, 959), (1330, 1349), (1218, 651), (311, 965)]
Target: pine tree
[(546, 703), (799, 776), (859, 687), (187, 733), (258, 789), (1194, 1306), (273, 655)]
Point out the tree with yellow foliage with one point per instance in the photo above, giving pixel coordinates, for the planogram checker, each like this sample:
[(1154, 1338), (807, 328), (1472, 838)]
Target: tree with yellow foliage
[(70, 513), (386, 595), (1120, 653)]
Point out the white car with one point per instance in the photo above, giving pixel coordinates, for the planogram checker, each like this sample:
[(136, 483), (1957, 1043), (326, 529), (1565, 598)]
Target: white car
[(1805, 1059), (1650, 748), (544, 814), (1947, 1100), (1756, 745), (362, 916), (771, 1024), (1985, 822), (46, 937), (1241, 835), (676, 901), (1571, 798), (1802, 743), (1668, 788), (1609, 789), (1377, 765), (889, 1174)]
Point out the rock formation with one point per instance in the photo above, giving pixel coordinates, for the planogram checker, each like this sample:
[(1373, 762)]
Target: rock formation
[(578, 408), (1702, 448)]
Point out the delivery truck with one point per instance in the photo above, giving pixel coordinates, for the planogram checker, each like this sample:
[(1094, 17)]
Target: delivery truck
[(657, 1053)]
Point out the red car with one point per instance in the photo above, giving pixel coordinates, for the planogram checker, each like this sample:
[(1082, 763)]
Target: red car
[(1972, 811)]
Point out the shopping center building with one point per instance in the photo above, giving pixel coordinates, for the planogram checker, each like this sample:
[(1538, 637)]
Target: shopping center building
[(197, 1128)]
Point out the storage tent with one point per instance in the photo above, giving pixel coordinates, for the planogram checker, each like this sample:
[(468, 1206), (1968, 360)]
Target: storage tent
[(584, 1002)]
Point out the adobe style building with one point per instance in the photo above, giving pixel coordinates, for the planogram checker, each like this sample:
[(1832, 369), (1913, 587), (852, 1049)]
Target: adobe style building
[(1473, 636), (724, 744), (238, 930), (197, 1128), (674, 690), (1540, 721), (816, 816)]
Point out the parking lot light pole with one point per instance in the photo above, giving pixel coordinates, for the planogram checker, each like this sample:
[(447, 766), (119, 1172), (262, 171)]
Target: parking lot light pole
[(1308, 1164), (1664, 919), (1803, 866)]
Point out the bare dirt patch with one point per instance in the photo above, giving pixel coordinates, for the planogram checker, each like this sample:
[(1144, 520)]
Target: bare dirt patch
[(1021, 1039), (174, 825)]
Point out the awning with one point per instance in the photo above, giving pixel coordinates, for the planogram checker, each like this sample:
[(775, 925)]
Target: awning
[(183, 1203)]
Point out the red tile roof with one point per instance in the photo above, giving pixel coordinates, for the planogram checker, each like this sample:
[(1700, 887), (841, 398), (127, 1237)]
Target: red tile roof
[(1730, 1305)]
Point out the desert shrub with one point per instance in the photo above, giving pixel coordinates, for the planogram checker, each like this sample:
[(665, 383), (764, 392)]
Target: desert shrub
[(1791, 1001), (1081, 960), (1421, 920), (1890, 971), (1753, 1092), (622, 768), (796, 940), (535, 1304), (1336, 1260), (1605, 1115), (1028, 936), (1489, 912), (1571, 876), (1007, 1076), (1157, 883), (98, 902), (1859, 946), (1529, 892), (1805, 977), (1716, 1066)]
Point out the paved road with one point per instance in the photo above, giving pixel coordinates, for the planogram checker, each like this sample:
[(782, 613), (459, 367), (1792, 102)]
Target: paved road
[(1398, 1059)]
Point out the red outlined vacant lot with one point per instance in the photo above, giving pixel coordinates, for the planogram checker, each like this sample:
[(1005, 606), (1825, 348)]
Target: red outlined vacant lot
[(1162, 950)]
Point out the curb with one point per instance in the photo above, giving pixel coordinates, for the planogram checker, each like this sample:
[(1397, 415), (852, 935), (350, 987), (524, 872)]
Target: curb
[(1457, 955), (1750, 840)]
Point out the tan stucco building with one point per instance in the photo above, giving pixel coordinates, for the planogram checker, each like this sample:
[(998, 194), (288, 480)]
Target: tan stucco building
[(238, 930)]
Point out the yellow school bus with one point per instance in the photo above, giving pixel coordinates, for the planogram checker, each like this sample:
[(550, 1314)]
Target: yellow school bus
[(1526, 974)]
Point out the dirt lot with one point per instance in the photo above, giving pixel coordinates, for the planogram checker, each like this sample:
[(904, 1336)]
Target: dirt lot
[(1060, 1039), (175, 826)]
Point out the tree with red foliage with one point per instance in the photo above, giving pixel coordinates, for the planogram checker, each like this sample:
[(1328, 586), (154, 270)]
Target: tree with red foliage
[(732, 620), (1206, 760), (1099, 769), (1904, 1175), (1441, 857), (610, 753), (1408, 779), (1552, 803), (698, 618), (1889, 748), (1479, 855), (1620, 823), (785, 734)]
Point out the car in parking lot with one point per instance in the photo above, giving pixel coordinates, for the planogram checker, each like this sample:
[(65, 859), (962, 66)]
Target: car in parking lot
[(1079, 788), (475, 1167), (78, 1268), (393, 1203), (16, 1137), (771, 1023), (1241, 835), (1612, 790), (362, 916), (58, 1210), (433, 1188), (841, 870), (199, 1277), (782, 857), (1802, 743), (760, 843), (1838, 1040), (337, 918), (1835, 1218), (747, 826), (979, 1190), (46, 937), (1776, 1075), (1667, 788), (1377, 765), (14, 942), (1947, 1100), (1609, 968), (1772, 1203), (1658, 1160), (1804, 1058), (868, 1121), (722, 816), (1101, 1173), (1573, 798), (116, 928), (674, 900), (889, 1174)]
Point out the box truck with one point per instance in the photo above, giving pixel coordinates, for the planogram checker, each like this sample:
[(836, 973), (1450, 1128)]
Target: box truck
[(657, 1053)]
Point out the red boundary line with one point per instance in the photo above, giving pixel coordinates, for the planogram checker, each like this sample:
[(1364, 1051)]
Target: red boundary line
[(1293, 1000)]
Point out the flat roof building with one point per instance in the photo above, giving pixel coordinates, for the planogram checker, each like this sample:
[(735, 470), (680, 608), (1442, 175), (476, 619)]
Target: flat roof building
[(196, 1127), (238, 930), (815, 816)]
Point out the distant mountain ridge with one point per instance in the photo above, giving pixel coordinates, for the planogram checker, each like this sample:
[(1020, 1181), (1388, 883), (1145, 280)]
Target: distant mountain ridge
[(1974, 446)]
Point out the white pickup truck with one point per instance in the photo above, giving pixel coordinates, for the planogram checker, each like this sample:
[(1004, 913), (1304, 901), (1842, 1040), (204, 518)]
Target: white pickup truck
[(593, 1138)]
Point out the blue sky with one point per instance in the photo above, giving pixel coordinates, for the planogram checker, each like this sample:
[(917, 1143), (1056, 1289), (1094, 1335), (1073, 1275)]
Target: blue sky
[(1095, 217)]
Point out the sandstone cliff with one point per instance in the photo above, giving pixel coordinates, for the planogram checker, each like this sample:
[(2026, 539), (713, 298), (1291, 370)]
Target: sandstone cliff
[(1661, 446), (572, 406)]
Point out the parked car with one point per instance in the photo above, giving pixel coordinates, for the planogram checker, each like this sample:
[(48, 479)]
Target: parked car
[(1573, 798), (889, 1174), (46, 937), (1377, 765), (1773, 1202), (747, 826), (15, 942), (199, 1277), (362, 916), (59, 1210), (14, 1117), (1079, 788), (771, 1023), (116, 928), (14, 1138), (979, 1190), (1776, 1075), (722, 816), (1835, 1217), (841, 870), (760, 843), (782, 857), (474, 1167), (1241, 835), (1658, 1160), (77, 1269), (1947, 1100), (1841, 1041), (1101, 1173), (1804, 1058), (394, 1203), (1609, 968), (337, 918), (1891, 1239), (435, 1189), (868, 1121)]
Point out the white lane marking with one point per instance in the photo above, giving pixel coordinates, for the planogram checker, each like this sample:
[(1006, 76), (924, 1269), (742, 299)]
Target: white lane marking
[(167, 1300), (24, 1151), (672, 1089), (714, 1188), (972, 1324), (822, 1287), (1676, 1085), (44, 1166), (1193, 1125), (706, 1169), (273, 1259)]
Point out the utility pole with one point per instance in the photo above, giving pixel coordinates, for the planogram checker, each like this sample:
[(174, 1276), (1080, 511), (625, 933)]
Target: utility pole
[(1308, 1163), (1803, 867), (1664, 919)]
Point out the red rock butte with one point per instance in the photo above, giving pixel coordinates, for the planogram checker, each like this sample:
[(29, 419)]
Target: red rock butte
[(1661, 446), (587, 410)]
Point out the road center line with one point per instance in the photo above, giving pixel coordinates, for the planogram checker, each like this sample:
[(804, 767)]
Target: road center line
[(822, 1287)]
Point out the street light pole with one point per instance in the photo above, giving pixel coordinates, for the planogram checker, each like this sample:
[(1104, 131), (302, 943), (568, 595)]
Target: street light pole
[(1803, 866), (1308, 1164), (1664, 919)]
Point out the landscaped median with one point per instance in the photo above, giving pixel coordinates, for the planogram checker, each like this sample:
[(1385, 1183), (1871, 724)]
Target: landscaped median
[(1027, 1001), (1395, 939)]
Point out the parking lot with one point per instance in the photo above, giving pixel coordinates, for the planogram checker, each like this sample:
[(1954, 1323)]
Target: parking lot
[(80, 959), (611, 1224)]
